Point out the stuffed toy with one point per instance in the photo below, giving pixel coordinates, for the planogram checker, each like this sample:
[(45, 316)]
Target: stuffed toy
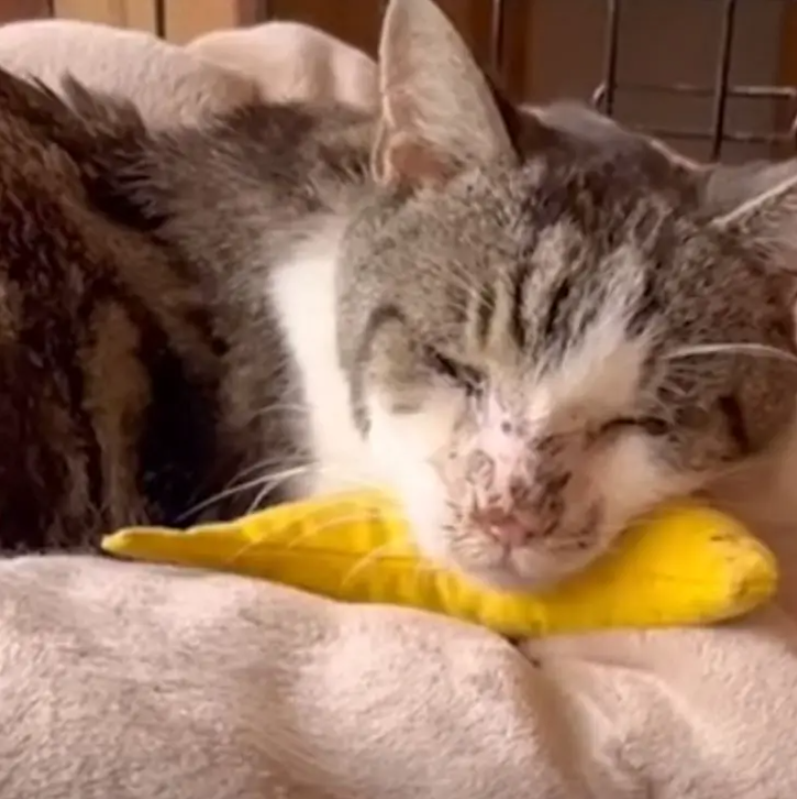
[(681, 565)]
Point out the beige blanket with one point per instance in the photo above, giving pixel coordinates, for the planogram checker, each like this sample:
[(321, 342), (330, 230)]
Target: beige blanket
[(276, 61), (132, 681)]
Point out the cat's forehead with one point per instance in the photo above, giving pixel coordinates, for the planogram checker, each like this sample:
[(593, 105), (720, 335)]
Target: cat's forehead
[(563, 237), (609, 276), (603, 195), (604, 270), (587, 327), (594, 238), (593, 234)]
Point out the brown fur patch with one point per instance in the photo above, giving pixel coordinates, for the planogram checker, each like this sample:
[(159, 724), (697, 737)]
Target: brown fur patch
[(80, 294)]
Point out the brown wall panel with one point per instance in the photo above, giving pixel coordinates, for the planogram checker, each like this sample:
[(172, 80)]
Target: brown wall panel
[(355, 21), (11, 10), (139, 14), (186, 19)]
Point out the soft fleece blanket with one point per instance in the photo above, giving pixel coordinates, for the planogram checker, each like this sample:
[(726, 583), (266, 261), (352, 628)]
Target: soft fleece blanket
[(138, 681)]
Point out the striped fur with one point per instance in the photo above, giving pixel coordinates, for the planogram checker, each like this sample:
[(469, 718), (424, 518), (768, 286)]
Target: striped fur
[(531, 324), (116, 404)]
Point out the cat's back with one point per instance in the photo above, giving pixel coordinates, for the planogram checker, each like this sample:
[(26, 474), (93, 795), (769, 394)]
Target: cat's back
[(84, 302)]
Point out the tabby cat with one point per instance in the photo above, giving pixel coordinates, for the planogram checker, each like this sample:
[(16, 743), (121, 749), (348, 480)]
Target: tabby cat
[(531, 325)]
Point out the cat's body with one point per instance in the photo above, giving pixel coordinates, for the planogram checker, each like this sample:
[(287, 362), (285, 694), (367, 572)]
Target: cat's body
[(129, 393), (109, 415), (477, 309), (105, 428), (531, 333)]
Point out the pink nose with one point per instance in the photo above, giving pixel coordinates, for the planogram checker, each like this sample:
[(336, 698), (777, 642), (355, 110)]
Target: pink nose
[(505, 528)]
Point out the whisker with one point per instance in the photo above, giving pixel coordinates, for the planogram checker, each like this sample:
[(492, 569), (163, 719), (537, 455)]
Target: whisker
[(240, 552), (388, 515), (240, 488), (232, 489), (350, 518), (274, 460), (268, 489), (312, 532), (427, 566), (424, 568), (732, 348), (355, 482), (368, 560)]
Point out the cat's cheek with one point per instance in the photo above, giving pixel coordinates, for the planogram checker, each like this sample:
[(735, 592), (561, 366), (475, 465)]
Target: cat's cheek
[(411, 440), (404, 447), (423, 498), (632, 478)]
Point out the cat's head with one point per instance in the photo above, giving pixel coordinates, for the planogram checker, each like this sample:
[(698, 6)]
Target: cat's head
[(544, 341)]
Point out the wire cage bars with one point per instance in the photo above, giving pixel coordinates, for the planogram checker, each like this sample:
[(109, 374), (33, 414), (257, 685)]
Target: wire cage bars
[(720, 91), (612, 83)]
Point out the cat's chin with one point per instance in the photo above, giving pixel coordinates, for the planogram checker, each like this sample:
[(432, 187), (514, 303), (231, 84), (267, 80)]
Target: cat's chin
[(524, 570), (506, 579)]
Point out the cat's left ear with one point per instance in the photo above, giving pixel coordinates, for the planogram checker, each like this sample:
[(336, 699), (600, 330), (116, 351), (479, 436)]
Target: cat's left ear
[(438, 114), (757, 204)]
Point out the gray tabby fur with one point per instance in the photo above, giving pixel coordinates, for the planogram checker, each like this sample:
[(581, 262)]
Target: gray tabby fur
[(531, 325)]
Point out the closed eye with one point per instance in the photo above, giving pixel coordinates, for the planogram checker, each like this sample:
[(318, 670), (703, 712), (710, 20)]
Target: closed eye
[(457, 373), (651, 425)]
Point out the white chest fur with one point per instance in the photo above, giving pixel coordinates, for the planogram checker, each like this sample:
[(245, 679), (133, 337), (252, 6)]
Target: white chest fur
[(304, 294)]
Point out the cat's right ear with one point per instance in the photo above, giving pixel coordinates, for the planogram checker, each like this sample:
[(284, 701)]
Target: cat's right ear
[(438, 115)]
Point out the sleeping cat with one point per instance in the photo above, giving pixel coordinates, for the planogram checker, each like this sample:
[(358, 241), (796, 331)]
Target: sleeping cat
[(531, 326)]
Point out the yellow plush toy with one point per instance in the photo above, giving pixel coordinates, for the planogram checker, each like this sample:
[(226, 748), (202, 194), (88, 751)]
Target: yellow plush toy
[(684, 564)]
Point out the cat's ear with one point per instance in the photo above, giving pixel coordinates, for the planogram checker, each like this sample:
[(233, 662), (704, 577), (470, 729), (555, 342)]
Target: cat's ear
[(757, 203), (438, 114)]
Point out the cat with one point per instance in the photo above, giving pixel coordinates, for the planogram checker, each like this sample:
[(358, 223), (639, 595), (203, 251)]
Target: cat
[(125, 392), (529, 333)]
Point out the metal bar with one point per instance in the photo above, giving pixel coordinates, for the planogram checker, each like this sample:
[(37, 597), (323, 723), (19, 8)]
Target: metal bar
[(160, 18), (694, 90), (262, 11), (605, 95), (739, 137), (497, 27), (723, 77)]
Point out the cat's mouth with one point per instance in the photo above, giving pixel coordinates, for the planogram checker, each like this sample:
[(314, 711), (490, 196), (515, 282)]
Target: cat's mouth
[(525, 568), (510, 553)]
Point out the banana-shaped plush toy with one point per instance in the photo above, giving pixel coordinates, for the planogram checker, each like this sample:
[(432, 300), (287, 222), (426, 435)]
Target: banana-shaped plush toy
[(684, 564)]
